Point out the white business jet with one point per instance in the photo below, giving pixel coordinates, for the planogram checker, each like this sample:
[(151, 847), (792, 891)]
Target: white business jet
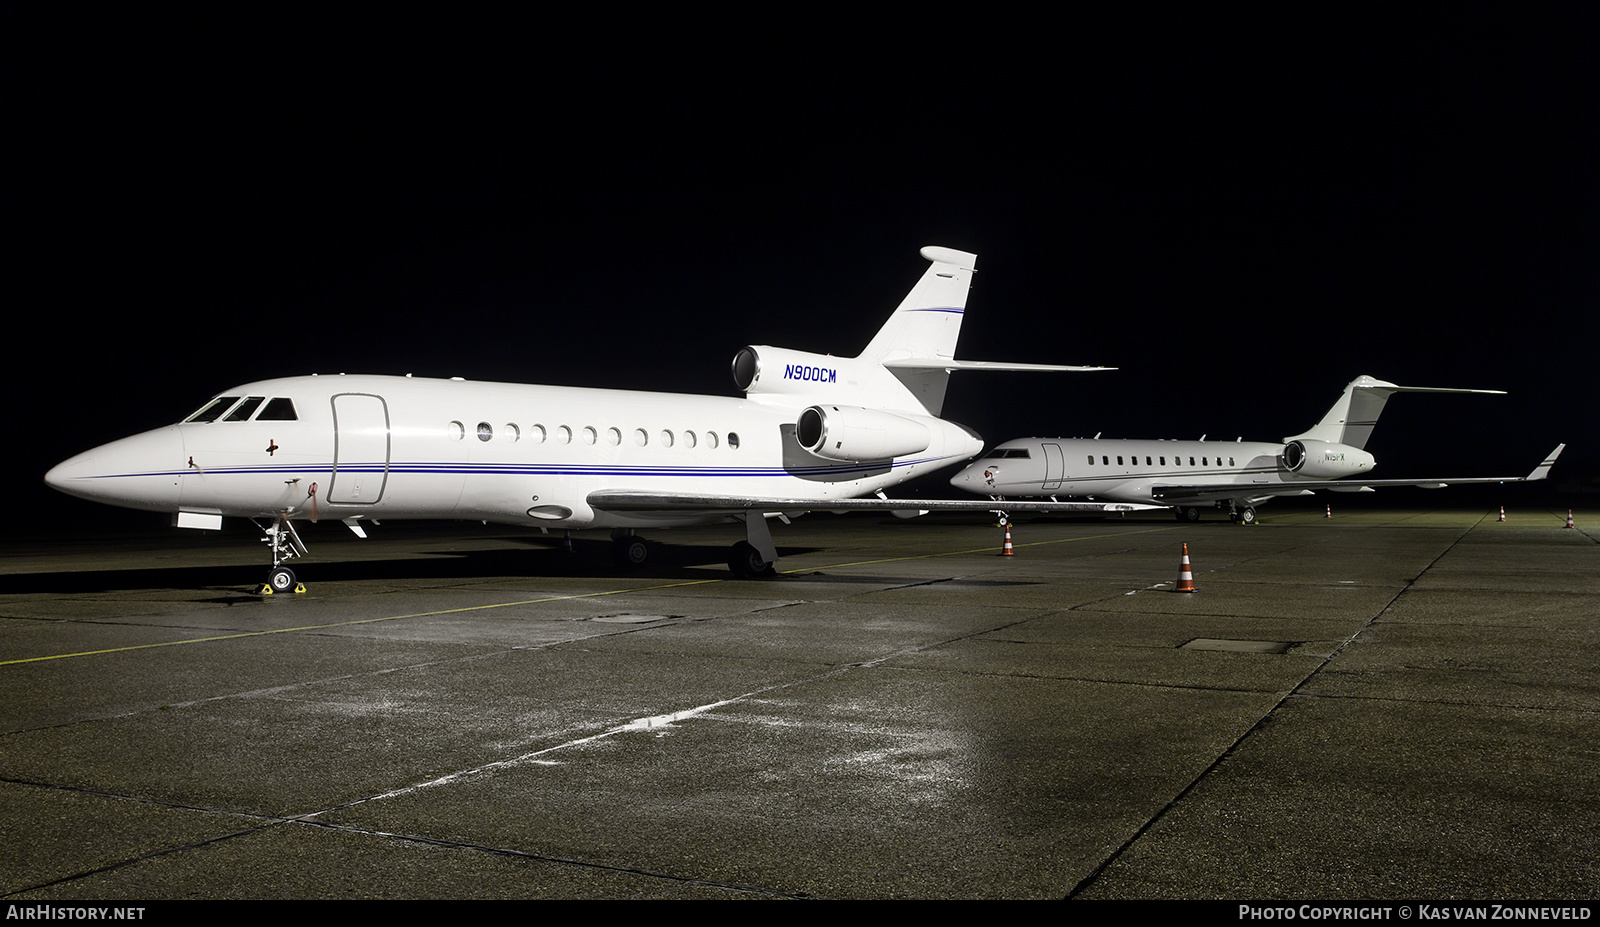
[(813, 432), (1236, 475)]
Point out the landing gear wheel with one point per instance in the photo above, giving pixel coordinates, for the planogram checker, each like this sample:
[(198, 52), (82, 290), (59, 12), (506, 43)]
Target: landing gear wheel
[(744, 560), (1247, 516), (629, 552), (281, 579), (1187, 513)]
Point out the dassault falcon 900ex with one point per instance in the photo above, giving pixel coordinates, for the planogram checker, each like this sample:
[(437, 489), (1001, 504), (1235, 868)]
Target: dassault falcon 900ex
[(1236, 475), (813, 432)]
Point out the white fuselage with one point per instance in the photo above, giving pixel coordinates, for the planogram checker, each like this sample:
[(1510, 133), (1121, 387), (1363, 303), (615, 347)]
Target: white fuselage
[(371, 447), (1128, 470)]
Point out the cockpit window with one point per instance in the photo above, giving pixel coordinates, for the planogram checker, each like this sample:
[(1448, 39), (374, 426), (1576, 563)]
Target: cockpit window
[(1008, 453), (241, 412), (212, 410), (278, 410)]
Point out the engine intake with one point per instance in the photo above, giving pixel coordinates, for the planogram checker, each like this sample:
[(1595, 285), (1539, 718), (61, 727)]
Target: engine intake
[(856, 434), (1324, 461)]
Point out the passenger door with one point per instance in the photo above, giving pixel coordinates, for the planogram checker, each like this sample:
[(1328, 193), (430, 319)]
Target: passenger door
[(1052, 466), (360, 449)]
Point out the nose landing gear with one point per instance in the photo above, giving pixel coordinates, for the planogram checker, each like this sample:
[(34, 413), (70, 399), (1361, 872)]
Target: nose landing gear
[(286, 545)]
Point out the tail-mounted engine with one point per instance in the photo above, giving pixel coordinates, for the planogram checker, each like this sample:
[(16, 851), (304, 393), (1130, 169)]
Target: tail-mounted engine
[(855, 434), (1324, 461), (760, 370)]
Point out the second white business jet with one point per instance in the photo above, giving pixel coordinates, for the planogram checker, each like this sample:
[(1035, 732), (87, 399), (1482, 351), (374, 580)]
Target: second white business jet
[(1188, 475), (814, 432)]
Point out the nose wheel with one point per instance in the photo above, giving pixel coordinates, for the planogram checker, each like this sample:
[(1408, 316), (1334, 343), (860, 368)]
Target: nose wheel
[(281, 579)]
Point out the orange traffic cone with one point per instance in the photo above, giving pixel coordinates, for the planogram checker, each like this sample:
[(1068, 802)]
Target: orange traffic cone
[(1569, 518), (1185, 578), (1330, 512), (1502, 513), (1007, 551)]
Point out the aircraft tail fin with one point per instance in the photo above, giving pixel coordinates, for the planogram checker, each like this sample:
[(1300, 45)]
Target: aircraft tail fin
[(920, 337), (928, 321), (918, 342), (1352, 418), (904, 368)]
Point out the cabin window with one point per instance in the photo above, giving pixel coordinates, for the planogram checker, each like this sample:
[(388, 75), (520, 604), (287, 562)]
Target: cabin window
[(711, 439), (733, 439), (1230, 461), (485, 431), (590, 436), (640, 437), (457, 430), (1147, 460), (242, 411), (614, 437), (1091, 460), (563, 435), (1191, 461), (1105, 461), (1163, 461), (536, 434), (666, 439), (212, 410), (512, 432), (278, 410), (688, 439), (1119, 460)]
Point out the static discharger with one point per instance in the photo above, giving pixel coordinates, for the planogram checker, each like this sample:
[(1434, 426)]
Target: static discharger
[(1185, 577)]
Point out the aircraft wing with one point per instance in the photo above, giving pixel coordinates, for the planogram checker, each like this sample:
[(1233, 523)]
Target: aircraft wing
[(1199, 493), (649, 501)]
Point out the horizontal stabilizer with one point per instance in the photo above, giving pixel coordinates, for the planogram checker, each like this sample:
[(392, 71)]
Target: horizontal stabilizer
[(1353, 416), (950, 364)]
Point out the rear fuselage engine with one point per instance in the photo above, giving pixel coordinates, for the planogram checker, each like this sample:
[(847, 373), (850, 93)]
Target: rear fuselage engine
[(1321, 460)]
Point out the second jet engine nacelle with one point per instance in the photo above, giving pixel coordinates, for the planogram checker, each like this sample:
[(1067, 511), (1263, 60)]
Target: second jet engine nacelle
[(1324, 461), (855, 434), (759, 369)]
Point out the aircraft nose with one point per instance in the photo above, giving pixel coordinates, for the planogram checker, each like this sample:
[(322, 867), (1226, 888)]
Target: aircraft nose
[(142, 472)]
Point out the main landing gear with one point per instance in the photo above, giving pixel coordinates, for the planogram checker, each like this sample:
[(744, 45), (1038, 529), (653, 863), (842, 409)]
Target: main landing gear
[(1238, 513), (748, 562), (751, 558), (286, 545), (628, 550)]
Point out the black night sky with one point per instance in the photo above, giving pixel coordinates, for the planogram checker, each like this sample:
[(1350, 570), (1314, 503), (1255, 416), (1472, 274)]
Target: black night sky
[(1240, 213)]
